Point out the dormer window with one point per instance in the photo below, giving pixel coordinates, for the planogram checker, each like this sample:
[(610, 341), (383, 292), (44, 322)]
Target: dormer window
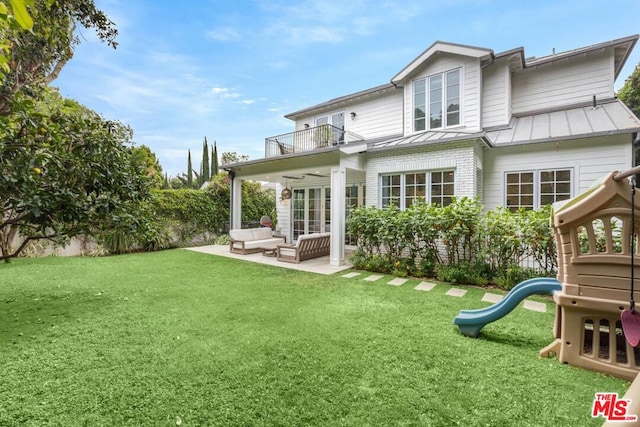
[(436, 91)]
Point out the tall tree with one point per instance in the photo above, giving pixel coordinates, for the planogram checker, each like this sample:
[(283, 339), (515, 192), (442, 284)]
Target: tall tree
[(36, 57), (205, 176), (65, 171), (214, 159), (189, 171)]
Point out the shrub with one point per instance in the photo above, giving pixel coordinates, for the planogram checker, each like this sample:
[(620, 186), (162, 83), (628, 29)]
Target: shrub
[(478, 246)]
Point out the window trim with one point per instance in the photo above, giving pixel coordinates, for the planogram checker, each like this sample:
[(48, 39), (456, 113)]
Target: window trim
[(444, 97), (537, 193)]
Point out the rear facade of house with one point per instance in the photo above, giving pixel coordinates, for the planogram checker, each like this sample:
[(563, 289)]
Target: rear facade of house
[(457, 121)]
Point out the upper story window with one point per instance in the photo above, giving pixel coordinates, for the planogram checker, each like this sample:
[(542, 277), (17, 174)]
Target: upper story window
[(336, 121), (437, 98)]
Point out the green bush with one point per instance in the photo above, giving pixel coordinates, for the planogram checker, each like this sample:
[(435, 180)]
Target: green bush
[(458, 243)]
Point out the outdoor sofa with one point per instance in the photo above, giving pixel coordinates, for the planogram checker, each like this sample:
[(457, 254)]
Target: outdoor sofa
[(250, 240), (308, 246)]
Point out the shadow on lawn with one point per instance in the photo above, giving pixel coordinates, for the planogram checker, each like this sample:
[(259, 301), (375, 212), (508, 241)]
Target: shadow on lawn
[(514, 338), (28, 316)]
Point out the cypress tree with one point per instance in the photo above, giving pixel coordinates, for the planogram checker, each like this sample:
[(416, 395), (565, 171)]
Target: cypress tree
[(214, 159), (206, 173), (189, 172)]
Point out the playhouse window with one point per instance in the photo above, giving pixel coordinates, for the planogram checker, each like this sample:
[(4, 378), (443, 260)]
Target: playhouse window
[(534, 189)]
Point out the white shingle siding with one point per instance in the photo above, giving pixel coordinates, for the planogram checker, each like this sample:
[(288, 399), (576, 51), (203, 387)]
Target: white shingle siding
[(460, 157), (590, 159), (563, 83), (495, 94)]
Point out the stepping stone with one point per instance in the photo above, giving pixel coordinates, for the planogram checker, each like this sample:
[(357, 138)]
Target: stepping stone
[(425, 286), (373, 278), (398, 281), (535, 306), (350, 275), (456, 292), (492, 298)]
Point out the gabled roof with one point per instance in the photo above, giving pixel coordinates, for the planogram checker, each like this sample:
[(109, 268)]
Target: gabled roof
[(441, 47), (622, 48)]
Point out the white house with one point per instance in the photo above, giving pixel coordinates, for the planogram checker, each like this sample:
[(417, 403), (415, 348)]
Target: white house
[(457, 121)]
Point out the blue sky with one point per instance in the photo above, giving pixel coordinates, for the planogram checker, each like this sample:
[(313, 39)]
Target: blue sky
[(230, 70)]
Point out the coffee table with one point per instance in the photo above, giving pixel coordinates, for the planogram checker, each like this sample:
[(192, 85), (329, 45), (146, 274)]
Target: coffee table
[(269, 250)]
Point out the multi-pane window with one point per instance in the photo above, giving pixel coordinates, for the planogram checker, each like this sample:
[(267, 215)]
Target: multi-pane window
[(415, 187), (402, 190), (555, 185), (390, 187), (442, 187), (438, 98), (534, 189), (520, 190)]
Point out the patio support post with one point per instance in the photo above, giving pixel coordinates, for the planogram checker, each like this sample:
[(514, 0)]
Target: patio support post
[(338, 214), (236, 202)]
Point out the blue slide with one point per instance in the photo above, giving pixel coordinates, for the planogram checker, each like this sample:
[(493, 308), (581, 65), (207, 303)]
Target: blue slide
[(471, 322)]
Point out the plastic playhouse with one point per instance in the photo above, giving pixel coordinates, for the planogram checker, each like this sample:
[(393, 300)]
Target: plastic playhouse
[(593, 234)]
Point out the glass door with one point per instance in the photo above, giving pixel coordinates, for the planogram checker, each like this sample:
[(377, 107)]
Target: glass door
[(298, 212)]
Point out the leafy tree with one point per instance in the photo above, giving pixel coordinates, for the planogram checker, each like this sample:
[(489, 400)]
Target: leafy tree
[(630, 92), (36, 57), (65, 171), (150, 163), (229, 157), (214, 160), (13, 19)]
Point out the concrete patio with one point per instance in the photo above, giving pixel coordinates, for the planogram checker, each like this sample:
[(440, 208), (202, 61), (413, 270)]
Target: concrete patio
[(317, 265)]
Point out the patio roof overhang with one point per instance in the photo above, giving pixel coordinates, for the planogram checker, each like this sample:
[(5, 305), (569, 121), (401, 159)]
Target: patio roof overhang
[(316, 164)]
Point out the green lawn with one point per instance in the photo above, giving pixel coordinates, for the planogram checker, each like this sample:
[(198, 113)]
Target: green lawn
[(179, 337)]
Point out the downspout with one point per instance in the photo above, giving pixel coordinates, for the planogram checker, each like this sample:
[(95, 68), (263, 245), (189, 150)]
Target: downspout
[(232, 175), (635, 146)]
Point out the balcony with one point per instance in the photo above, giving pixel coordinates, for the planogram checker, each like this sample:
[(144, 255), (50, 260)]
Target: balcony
[(308, 140)]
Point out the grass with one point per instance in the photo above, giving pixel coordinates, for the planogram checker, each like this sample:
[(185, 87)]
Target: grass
[(182, 338)]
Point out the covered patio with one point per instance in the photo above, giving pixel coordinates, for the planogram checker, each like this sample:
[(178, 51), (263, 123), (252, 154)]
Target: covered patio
[(315, 200), (317, 265)]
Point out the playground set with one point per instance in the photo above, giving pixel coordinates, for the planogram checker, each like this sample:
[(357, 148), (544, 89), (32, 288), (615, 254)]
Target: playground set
[(596, 324)]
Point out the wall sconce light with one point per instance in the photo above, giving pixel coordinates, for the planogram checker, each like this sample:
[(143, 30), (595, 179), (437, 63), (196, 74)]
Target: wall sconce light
[(306, 125), (353, 115)]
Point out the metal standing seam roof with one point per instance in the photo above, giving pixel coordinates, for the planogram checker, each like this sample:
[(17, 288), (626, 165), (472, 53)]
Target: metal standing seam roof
[(609, 118), (425, 138)]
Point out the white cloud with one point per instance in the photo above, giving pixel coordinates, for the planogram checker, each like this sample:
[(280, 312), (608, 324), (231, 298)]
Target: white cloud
[(223, 34)]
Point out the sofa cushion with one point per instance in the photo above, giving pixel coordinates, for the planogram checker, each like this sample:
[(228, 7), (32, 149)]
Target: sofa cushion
[(261, 233), (241, 235), (253, 244)]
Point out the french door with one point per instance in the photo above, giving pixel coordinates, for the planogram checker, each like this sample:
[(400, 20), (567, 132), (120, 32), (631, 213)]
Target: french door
[(309, 211), (311, 208)]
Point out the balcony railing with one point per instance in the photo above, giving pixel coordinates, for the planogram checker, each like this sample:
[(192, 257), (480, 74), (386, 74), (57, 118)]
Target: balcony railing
[(308, 140)]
